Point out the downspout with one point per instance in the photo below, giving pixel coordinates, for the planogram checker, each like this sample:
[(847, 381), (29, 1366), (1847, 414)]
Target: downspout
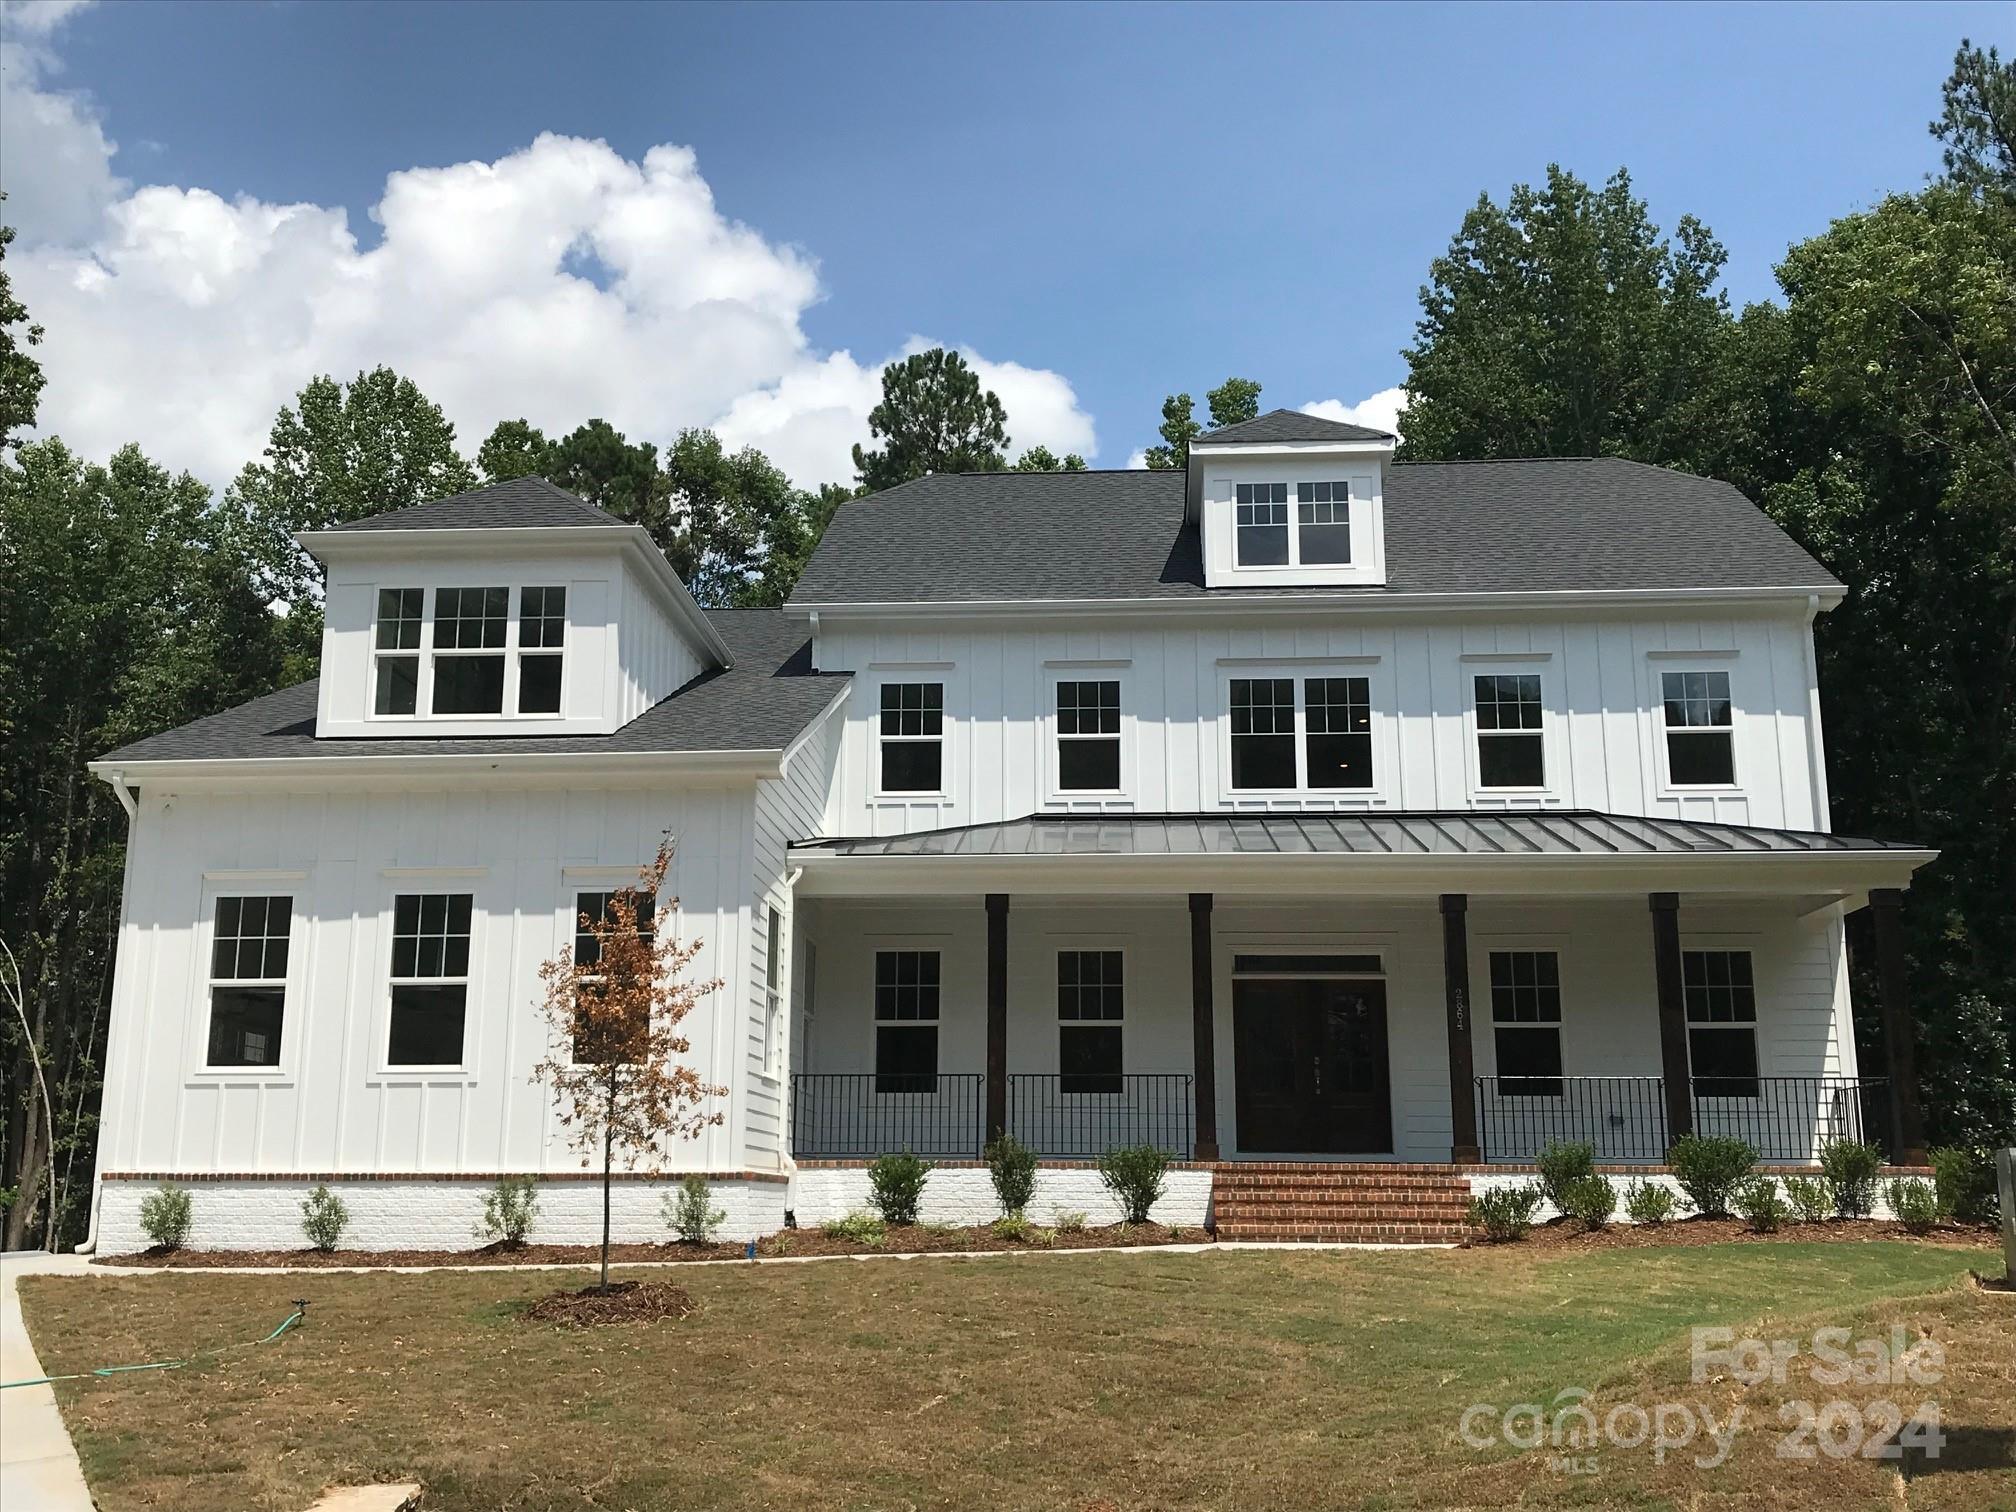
[(89, 1244)]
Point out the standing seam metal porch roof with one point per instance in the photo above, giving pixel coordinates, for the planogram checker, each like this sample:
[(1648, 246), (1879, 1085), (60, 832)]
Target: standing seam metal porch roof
[(1559, 832)]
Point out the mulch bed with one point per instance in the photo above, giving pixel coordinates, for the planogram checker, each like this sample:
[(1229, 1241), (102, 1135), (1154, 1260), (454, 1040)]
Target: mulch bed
[(1568, 1233), (623, 1302), (918, 1238)]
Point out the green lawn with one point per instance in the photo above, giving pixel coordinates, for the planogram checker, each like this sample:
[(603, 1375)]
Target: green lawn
[(1296, 1379)]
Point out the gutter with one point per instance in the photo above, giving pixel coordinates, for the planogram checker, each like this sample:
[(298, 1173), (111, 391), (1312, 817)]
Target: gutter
[(398, 764)]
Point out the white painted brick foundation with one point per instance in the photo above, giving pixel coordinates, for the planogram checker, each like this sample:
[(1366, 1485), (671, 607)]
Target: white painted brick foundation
[(419, 1214), (965, 1195)]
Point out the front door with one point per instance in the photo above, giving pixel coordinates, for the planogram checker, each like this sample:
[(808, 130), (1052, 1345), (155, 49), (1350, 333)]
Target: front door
[(1309, 1065)]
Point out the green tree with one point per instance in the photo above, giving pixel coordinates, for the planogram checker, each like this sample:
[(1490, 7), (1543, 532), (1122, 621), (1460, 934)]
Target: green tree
[(934, 417), (20, 374), (1234, 400), (339, 453), (1563, 324), (127, 606), (1978, 123), (513, 449), (737, 528), (612, 473), (1042, 459)]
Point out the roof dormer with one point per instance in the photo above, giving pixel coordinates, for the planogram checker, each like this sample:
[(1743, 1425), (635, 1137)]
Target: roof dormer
[(516, 609), (1288, 500)]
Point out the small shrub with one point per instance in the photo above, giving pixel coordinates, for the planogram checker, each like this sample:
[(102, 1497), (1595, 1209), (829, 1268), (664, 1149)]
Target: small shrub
[(323, 1218), (1069, 1223), (1809, 1198), (1505, 1212), (1708, 1167), (1589, 1199), (1134, 1175), (781, 1244), (897, 1182), (1011, 1166), (1758, 1200), (1562, 1164), (1650, 1202), (861, 1228), (1915, 1204), (1014, 1227), (165, 1215), (690, 1212), (1850, 1170), (508, 1210), (1964, 1177)]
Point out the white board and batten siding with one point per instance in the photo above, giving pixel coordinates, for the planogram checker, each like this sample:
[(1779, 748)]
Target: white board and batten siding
[(341, 855), (1600, 678)]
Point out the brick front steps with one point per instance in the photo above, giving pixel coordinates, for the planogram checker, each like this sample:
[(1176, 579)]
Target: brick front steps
[(1338, 1204)]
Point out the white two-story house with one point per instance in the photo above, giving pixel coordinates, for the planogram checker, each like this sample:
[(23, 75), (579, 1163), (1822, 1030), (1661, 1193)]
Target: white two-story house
[(1300, 807)]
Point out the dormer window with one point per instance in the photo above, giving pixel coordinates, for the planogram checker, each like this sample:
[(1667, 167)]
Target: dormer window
[(1262, 524), (542, 632), (1323, 522), (469, 625), (396, 638)]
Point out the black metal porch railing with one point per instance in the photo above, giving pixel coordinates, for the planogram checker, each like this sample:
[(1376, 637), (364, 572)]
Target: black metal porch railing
[(1788, 1118), (858, 1115), (1080, 1118)]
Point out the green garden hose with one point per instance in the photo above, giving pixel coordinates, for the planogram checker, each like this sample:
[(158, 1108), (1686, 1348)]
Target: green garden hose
[(300, 1312)]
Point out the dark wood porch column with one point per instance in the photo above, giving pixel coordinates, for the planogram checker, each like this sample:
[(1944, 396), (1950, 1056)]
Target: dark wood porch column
[(1672, 1015), (997, 1015), (1463, 1146), (1203, 1029), (1907, 1120)]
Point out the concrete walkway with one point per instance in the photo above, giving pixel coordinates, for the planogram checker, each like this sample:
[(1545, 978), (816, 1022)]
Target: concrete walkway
[(38, 1466)]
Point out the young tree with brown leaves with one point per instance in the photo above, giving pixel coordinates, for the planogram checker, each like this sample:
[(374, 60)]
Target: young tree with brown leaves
[(614, 1046)]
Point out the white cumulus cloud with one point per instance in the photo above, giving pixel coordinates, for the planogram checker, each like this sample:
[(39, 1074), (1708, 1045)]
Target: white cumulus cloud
[(560, 282), (55, 159), (1381, 411)]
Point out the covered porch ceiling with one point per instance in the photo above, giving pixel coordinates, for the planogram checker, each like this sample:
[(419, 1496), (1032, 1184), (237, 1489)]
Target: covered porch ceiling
[(1553, 852)]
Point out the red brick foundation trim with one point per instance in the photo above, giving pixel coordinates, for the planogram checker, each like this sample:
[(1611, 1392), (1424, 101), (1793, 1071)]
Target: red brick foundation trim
[(486, 1177)]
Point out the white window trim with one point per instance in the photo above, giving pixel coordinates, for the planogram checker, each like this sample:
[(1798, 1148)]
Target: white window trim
[(1725, 945), (384, 1071), (776, 989), (293, 1002), (1086, 947), (1662, 751), (879, 945), (1357, 503), (1055, 793), (511, 651), (1484, 1013), (417, 654), (941, 674), (1300, 670), (1553, 727)]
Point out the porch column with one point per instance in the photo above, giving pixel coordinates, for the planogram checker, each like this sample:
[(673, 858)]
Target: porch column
[(1203, 1029), (997, 1015), (1907, 1121), (1672, 1015), (1463, 1146)]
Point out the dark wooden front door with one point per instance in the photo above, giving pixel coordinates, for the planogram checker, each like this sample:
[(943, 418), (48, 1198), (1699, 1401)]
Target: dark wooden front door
[(1309, 1063)]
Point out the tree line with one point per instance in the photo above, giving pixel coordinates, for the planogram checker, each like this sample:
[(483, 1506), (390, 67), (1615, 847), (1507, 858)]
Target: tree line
[(1871, 410)]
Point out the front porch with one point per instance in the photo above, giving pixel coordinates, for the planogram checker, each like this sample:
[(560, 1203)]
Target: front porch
[(1318, 1006)]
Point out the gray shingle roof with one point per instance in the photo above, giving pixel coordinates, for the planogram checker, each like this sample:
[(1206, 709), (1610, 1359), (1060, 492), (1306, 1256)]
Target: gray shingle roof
[(762, 703), (1293, 425), (1535, 526), (516, 504), (1556, 832)]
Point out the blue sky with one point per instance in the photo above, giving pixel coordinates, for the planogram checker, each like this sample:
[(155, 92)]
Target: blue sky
[(1131, 199)]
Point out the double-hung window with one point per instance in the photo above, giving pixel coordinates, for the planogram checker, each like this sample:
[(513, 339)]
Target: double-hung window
[(773, 996), (430, 978), (1323, 743), (1090, 1005), (906, 1021), (1510, 741), (1088, 737), (1721, 1021), (913, 737), (1526, 1021), (1323, 523), (395, 643), (248, 980), (1700, 729), (469, 626), (542, 637), (1260, 524), (599, 1045)]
